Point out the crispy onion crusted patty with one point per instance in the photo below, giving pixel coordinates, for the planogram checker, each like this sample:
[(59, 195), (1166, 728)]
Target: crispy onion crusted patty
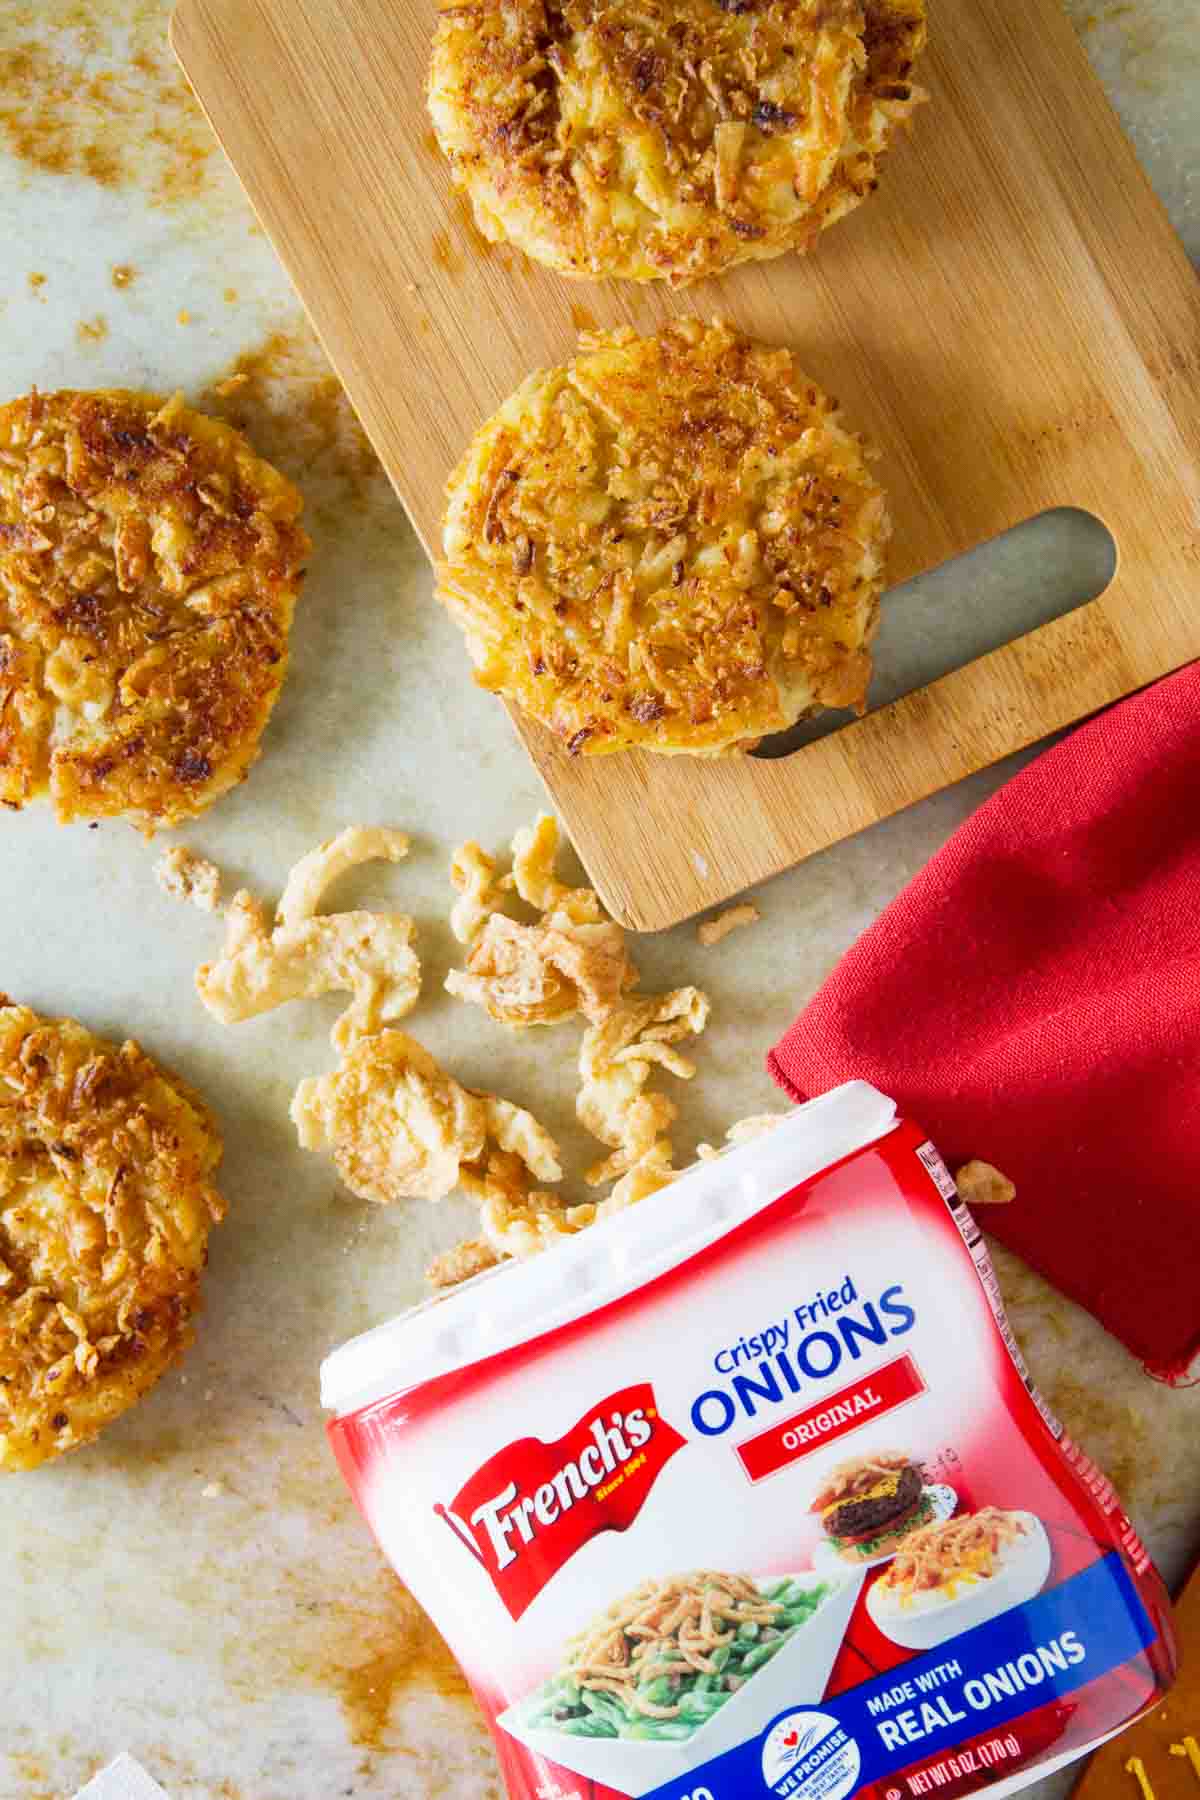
[(149, 567), (671, 543), (105, 1207), (671, 138)]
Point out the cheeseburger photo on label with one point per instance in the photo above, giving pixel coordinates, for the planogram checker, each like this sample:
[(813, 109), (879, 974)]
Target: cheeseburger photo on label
[(868, 1505)]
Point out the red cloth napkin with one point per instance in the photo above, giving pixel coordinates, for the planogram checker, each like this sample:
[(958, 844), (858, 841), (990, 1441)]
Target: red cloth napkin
[(1033, 998)]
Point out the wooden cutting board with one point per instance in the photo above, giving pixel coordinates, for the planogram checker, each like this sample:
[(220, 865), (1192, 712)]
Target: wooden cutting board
[(1160, 1755), (1011, 318)]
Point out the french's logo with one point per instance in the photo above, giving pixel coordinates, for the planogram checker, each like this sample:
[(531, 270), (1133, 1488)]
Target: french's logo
[(533, 1505)]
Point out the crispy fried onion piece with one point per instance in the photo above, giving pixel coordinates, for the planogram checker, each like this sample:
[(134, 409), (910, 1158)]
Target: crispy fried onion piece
[(305, 954), (616, 1059), (572, 960), (526, 975), (535, 875), (982, 1184), (734, 918), (183, 875), (473, 874), (520, 1223), (399, 1127), (466, 1260), (517, 1220), (649, 1175), (741, 1132)]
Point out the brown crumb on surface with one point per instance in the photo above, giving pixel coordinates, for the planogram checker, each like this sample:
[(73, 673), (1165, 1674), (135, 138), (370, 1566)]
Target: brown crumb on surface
[(36, 280), (461, 1263), (92, 331), (123, 275), (183, 875), (981, 1184), (183, 316), (711, 931)]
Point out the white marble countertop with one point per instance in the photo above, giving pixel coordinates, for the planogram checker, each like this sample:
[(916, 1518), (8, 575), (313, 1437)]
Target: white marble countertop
[(196, 1587)]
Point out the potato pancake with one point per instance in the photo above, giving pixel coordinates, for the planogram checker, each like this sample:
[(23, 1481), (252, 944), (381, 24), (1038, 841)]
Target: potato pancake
[(149, 567), (674, 138), (671, 543), (105, 1207)]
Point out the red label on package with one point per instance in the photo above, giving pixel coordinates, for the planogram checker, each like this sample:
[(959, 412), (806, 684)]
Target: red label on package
[(533, 1505), (864, 1400)]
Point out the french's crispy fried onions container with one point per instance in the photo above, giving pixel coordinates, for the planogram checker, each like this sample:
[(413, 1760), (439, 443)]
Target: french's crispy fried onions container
[(746, 1492)]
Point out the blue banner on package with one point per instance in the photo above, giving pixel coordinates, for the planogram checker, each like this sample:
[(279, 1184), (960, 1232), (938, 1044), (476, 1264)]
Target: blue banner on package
[(999, 1671)]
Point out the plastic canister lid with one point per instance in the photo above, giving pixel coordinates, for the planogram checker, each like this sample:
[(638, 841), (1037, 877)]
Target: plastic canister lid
[(511, 1304)]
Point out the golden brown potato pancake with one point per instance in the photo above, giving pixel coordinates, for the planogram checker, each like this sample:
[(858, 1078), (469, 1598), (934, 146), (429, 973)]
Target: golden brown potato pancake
[(674, 138), (671, 543), (149, 567), (106, 1201)]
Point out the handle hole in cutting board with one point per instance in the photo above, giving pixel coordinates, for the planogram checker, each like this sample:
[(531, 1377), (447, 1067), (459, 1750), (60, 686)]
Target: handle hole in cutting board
[(942, 620)]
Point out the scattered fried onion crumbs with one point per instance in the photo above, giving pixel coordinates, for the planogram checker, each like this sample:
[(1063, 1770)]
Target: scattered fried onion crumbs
[(183, 875), (980, 1184), (461, 1263), (648, 1175), (518, 1221), (302, 954), (397, 1125), (572, 960), (711, 931), (615, 1063), (741, 1133)]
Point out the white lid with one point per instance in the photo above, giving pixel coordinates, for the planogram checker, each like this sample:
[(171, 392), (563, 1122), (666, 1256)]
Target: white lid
[(515, 1302)]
